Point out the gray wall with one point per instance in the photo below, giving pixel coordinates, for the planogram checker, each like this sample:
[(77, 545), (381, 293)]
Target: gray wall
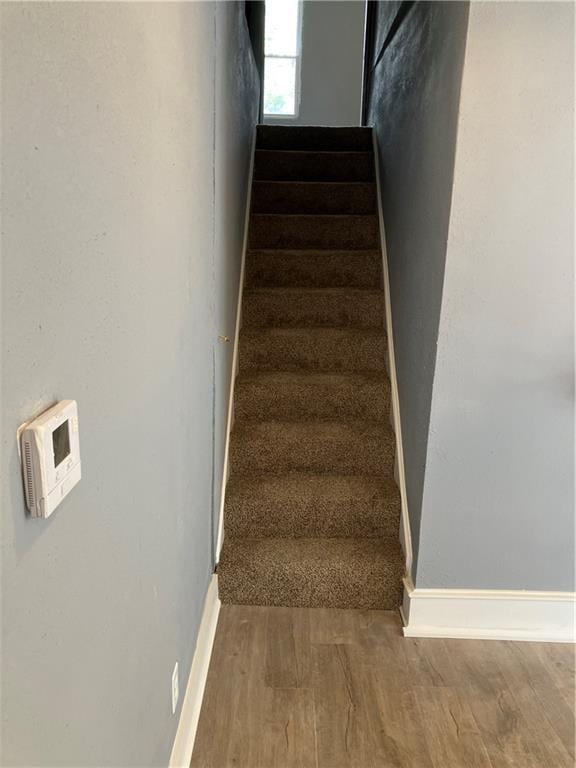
[(332, 58), (113, 291), (413, 106), (498, 508), (237, 97)]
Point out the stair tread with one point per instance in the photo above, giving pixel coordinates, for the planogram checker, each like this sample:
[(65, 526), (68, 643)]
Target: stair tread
[(323, 447), (323, 216), (322, 152), (313, 197), (312, 348), (336, 138), (313, 429), (328, 268), (318, 395), (313, 253), (292, 486), (310, 505), (314, 183), (308, 572), (317, 307), (314, 333), (332, 333), (280, 290), (313, 377), (313, 165), (313, 230)]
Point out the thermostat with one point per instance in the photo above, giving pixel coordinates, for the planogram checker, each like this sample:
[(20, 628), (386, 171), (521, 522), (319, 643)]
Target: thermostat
[(50, 455)]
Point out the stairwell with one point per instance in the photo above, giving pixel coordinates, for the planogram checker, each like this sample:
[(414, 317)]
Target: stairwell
[(312, 510)]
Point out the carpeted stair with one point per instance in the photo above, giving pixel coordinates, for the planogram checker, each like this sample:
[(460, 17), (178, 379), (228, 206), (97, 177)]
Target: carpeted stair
[(312, 510)]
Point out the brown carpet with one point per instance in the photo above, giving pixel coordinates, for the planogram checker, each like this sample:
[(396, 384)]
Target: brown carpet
[(312, 510)]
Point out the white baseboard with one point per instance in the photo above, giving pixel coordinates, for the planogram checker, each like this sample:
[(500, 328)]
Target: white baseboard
[(399, 474), (486, 614), (235, 358), (190, 712)]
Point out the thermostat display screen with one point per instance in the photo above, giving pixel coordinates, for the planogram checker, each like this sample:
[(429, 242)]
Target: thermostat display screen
[(61, 443)]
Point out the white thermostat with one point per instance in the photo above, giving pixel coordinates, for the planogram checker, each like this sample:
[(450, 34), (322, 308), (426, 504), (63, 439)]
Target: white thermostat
[(50, 454)]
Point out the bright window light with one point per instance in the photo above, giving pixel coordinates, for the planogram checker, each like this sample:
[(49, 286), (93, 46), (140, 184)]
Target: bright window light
[(282, 57)]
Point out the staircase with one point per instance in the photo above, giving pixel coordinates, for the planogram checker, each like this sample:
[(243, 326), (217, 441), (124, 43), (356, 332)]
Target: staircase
[(312, 510)]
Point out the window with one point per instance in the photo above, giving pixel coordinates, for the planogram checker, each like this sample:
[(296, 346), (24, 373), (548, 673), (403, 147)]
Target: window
[(282, 57)]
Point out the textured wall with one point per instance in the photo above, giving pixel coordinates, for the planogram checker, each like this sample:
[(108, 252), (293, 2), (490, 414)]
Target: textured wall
[(332, 51), (498, 507), (413, 106), (113, 294)]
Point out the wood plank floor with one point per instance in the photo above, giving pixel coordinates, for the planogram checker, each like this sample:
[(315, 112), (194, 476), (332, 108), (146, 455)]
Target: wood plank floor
[(325, 688)]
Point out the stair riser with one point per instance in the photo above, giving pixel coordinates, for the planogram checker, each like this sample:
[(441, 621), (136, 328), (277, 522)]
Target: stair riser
[(309, 593), (335, 583), (305, 197), (305, 352), (326, 589), (262, 517), (297, 309), (309, 232), (312, 166), (314, 138), (348, 269), (263, 401), (367, 454)]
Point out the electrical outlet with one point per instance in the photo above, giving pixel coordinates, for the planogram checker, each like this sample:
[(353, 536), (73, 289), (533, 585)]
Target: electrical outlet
[(175, 688)]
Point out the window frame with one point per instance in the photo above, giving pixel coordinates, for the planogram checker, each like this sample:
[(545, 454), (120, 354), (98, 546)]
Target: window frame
[(297, 58)]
